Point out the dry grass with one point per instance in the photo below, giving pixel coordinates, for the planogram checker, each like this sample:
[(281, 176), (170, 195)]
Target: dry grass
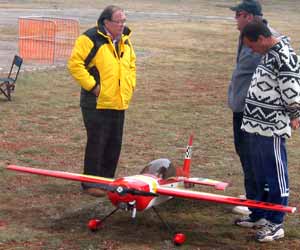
[(184, 67)]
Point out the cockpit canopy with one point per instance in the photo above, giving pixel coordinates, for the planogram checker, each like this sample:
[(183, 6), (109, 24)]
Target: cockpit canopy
[(161, 168)]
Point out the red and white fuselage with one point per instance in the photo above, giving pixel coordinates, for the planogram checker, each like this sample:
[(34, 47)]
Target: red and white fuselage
[(146, 183)]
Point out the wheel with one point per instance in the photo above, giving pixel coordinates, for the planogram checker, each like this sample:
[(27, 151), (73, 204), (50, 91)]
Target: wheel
[(179, 239), (94, 224)]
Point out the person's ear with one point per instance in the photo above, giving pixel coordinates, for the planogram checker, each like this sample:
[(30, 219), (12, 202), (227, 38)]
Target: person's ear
[(260, 39)]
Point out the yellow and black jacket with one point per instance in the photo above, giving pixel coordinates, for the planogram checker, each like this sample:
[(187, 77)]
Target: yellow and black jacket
[(95, 60)]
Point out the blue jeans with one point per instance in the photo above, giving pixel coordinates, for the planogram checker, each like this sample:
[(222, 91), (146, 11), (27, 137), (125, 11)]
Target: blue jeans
[(241, 143)]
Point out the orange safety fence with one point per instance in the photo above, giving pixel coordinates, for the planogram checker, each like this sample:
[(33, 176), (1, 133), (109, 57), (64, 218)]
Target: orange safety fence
[(47, 39)]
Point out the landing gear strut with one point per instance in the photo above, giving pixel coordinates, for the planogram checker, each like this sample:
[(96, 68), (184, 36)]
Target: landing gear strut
[(95, 224), (178, 238)]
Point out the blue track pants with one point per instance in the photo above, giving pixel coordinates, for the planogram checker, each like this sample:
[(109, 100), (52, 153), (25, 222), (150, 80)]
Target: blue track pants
[(269, 163)]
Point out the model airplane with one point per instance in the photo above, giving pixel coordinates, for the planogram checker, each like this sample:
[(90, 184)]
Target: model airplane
[(158, 182)]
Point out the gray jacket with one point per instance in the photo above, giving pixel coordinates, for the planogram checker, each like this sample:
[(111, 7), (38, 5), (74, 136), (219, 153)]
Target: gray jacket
[(246, 63)]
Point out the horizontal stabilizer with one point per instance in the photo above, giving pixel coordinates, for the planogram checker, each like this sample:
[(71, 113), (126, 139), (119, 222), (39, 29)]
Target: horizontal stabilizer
[(219, 185)]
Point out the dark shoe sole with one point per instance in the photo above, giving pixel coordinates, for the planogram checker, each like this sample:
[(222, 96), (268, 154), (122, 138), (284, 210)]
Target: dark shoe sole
[(95, 192)]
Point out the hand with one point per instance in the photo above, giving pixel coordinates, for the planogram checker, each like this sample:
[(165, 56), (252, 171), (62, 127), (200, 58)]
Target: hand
[(96, 90), (295, 123)]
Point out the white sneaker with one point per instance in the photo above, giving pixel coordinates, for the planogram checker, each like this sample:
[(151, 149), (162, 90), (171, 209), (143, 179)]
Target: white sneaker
[(246, 221), (241, 210), (270, 232)]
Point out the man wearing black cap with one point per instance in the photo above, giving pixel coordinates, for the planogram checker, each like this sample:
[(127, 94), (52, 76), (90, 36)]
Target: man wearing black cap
[(251, 6), (246, 63)]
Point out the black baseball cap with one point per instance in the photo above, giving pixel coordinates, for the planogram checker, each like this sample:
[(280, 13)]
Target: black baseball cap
[(250, 6)]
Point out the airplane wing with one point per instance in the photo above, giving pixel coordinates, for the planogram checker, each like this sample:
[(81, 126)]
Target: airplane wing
[(62, 175), (195, 195)]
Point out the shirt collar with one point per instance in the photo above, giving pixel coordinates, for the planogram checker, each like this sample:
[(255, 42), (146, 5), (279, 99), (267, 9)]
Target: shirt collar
[(116, 40)]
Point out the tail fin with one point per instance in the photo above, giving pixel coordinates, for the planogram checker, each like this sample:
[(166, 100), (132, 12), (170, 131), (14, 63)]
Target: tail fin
[(185, 170)]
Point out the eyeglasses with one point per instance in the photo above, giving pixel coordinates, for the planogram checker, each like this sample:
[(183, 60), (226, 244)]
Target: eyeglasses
[(239, 13), (119, 21)]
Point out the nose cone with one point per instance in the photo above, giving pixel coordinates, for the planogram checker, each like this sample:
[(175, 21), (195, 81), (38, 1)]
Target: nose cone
[(122, 199)]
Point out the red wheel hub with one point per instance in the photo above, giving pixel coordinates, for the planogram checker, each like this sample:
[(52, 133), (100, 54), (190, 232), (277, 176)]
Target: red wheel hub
[(179, 239), (94, 224)]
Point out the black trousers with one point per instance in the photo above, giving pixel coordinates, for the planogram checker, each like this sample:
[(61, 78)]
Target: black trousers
[(243, 149), (104, 140)]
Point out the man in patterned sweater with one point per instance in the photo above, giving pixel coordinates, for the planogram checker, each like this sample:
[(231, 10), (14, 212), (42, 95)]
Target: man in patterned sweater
[(272, 108)]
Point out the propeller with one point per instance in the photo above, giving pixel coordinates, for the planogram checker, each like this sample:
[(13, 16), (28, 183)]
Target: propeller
[(123, 190)]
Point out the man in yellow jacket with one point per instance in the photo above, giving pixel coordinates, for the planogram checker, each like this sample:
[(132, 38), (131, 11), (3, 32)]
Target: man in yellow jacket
[(103, 63)]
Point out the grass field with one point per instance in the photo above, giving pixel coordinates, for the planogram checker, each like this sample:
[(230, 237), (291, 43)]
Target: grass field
[(183, 69)]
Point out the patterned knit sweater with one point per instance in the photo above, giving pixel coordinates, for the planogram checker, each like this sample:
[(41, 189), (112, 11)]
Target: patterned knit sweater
[(274, 94)]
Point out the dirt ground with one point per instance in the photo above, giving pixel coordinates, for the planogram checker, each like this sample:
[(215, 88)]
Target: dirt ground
[(186, 51)]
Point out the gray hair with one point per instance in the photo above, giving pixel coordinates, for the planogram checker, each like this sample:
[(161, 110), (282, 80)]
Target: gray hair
[(107, 13)]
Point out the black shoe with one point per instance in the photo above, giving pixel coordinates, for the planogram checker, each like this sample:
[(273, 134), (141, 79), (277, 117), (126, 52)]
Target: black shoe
[(97, 192)]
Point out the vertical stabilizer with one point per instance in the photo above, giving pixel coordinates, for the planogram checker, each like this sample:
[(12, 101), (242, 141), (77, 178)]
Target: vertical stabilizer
[(185, 170)]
